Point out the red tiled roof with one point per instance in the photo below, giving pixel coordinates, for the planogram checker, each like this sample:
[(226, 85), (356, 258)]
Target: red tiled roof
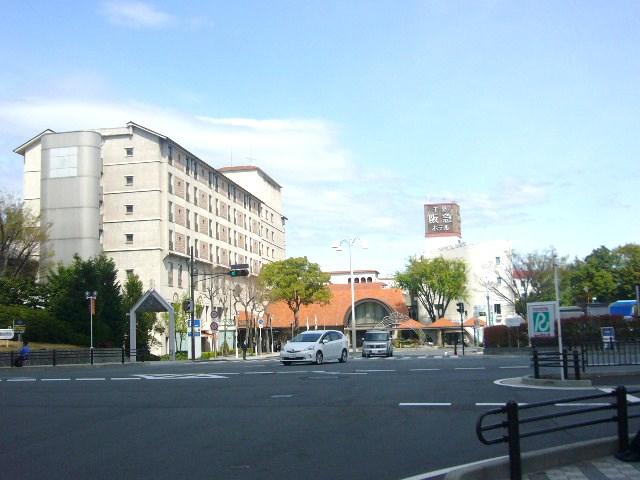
[(334, 313), (411, 324)]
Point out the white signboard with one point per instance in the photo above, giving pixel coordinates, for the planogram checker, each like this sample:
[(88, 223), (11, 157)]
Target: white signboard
[(6, 333), (542, 317), (514, 321)]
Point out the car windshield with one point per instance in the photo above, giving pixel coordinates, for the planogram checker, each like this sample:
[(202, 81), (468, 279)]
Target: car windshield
[(306, 337), (375, 337)]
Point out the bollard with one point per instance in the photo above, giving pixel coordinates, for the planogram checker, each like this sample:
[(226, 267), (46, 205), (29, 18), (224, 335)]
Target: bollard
[(576, 364), (536, 365), (622, 418), (565, 366), (513, 434)]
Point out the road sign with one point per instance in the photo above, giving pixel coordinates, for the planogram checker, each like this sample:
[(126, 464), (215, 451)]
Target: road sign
[(514, 321), (239, 266), (6, 333), (196, 323), (261, 322), (542, 317), (214, 326)]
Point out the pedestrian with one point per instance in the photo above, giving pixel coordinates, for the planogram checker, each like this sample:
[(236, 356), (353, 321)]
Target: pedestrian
[(244, 349), (23, 355)]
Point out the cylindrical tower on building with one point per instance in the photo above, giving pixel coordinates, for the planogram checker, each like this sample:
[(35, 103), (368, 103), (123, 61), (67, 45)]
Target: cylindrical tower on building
[(70, 194)]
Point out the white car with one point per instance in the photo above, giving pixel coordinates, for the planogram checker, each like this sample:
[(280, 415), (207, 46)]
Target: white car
[(315, 346)]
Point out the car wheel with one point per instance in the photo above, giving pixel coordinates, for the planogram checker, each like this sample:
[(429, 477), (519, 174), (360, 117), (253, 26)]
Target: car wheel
[(343, 357), (286, 363), (319, 358), (391, 353)]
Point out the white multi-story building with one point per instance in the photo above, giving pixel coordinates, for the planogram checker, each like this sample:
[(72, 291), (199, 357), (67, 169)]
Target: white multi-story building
[(144, 200)]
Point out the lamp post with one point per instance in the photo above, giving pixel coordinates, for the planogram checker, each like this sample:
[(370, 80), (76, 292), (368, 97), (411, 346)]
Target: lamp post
[(337, 246), (91, 296)]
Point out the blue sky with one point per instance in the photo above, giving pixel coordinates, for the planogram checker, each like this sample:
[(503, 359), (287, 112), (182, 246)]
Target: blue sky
[(525, 113)]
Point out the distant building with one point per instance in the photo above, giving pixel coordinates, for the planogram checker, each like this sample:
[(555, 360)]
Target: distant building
[(359, 276)]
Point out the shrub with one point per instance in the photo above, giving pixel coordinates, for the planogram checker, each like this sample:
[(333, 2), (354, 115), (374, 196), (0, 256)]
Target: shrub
[(40, 325)]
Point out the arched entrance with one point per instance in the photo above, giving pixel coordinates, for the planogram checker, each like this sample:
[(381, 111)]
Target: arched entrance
[(369, 314)]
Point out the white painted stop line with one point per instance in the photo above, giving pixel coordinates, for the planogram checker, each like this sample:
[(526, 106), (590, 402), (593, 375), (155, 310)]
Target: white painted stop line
[(424, 404)]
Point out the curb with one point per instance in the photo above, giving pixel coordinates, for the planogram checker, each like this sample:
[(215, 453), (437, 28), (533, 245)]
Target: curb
[(539, 460), (546, 382)]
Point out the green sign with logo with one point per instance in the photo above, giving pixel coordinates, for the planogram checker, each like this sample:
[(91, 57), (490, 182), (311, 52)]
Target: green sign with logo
[(542, 318)]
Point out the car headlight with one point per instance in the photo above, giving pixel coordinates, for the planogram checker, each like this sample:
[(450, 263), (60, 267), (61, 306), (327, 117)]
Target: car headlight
[(310, 347)]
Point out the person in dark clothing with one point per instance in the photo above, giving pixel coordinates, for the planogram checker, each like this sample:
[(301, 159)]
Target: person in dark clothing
[(244, 349), (23, 355)]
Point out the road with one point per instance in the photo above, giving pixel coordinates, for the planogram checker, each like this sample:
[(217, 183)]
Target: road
[(368, 418)]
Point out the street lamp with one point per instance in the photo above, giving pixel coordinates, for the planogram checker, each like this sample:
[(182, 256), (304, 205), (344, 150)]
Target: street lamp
[(337, 246), (91, 296)]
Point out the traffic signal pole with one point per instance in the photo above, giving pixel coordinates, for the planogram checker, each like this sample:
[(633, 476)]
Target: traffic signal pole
[(239, 270)]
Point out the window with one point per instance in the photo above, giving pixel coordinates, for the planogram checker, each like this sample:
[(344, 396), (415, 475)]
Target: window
[(128, 180), (187, 190), (129, 151), (171, 211), (188, 165), (179, 276), (170, 239), (195, 221), (497, 308), (128, 238), (170, 274), (210, 209), (128, 209), (195, 195), (188, 219), (499, 280), (195, 169), (497, 260), (170, 155), (170, 183), (129, 272), (63, 162), (195, 249)]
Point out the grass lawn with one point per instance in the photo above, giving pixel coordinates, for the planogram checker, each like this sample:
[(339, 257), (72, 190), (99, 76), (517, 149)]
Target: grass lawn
[(9, 345)]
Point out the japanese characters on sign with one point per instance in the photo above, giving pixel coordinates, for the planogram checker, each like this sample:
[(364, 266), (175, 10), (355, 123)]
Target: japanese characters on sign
[(442, 219)]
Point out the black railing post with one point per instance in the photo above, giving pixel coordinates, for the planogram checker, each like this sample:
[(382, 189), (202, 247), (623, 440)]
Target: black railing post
[(565, 366), (576, 365), (91, 354), (53, 357), (11, 364), (513, 433), (622, 418), (123, 355), (583, 358), (536, 365)]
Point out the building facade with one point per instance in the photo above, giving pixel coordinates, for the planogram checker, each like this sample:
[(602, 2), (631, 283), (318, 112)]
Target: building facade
[(144, 200)]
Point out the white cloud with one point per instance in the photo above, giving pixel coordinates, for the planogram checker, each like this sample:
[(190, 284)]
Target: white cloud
[(135, 14)]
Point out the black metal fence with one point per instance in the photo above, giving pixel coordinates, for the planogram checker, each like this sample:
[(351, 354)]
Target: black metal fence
[(615, 410), (76, 356), (568, 361), (610, 353)]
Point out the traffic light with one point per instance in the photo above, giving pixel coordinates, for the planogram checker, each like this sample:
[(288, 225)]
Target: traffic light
[(186, 306), (239, 273), (239, 270), (460, 308)]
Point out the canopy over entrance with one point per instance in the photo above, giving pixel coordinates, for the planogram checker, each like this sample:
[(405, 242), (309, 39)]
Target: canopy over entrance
[(152, 301)]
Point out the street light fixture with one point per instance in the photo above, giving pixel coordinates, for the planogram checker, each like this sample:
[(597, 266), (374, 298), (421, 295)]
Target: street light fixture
[(337, 246), (91, 296)]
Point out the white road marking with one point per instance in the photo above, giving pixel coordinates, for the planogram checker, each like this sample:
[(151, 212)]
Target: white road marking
[(469, 368), (517, 366), (21, 379), (255, 373), (55, 379), (89, 379), (424, 369), (595, 404), (179, 376), (294, 371), (125, 378), (424, 404), (503, 383), (281, 396), (371, 370), (630, 398), (497, 404)]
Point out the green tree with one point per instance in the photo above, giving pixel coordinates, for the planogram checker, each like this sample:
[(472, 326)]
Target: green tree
[(131, 293), (297, 282), (628, 271), (21, 235), (181, 317), (23, 291), (434, 282), (68, 302)]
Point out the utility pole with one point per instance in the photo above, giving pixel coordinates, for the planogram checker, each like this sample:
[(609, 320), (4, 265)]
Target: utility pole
[(191, 287)]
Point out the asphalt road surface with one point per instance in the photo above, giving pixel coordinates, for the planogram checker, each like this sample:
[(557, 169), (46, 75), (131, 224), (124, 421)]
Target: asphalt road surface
[(257, 419)]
